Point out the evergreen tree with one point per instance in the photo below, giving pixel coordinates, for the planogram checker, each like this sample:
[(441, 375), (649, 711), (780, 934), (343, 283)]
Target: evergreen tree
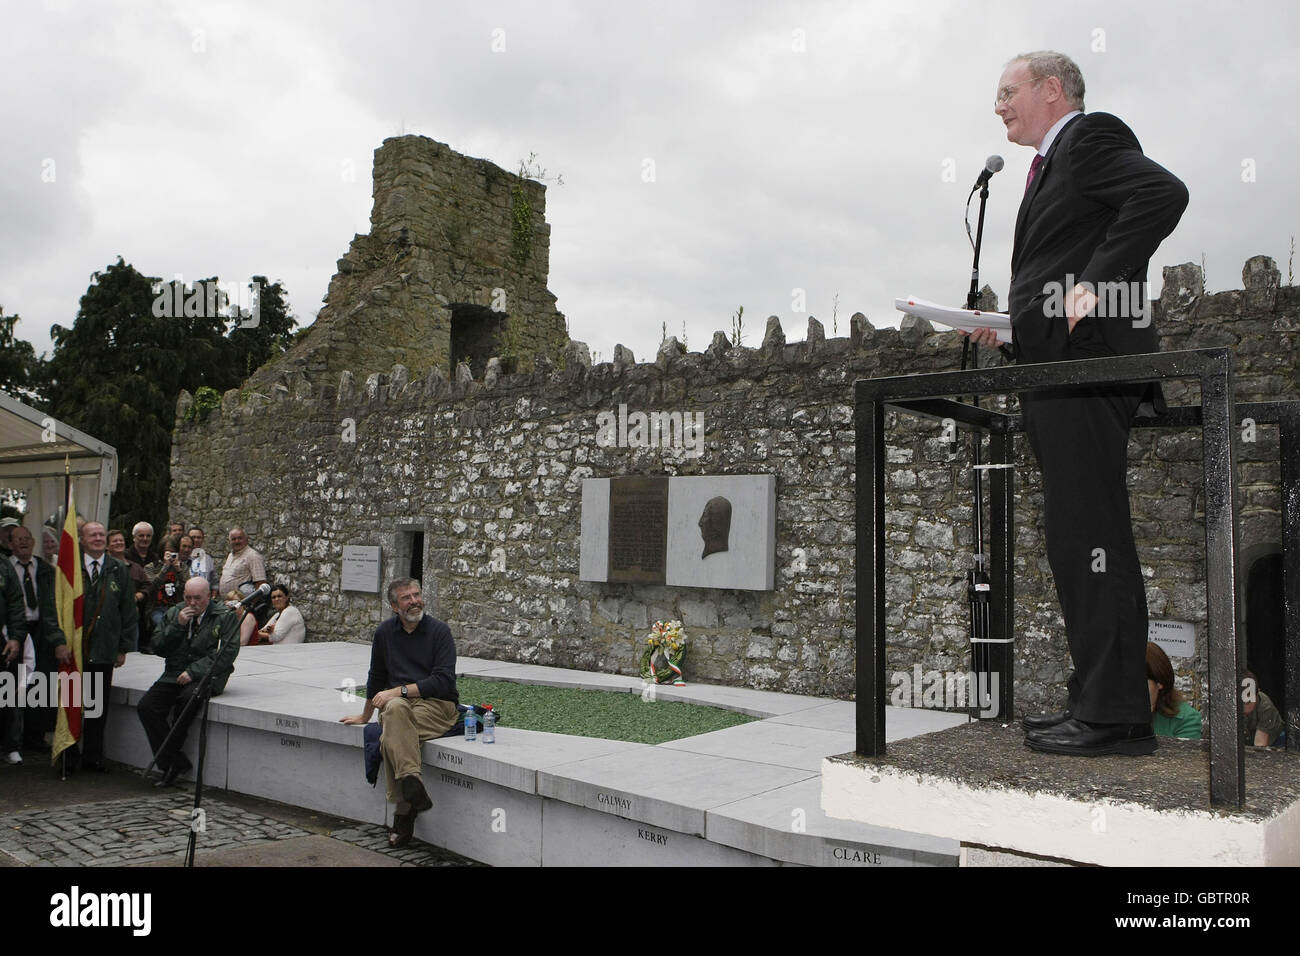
[(18, 362), (117, 372)]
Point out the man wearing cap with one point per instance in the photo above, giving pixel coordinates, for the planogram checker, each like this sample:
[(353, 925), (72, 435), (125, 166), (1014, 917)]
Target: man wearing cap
[(7, 525)]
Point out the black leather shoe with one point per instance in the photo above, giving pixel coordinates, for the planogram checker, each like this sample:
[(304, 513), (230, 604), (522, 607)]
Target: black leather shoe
[(414, 793), (169, 776), (1077, 738), (1043, 721)]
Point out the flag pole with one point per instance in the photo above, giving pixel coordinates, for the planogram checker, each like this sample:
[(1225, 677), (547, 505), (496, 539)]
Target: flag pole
[(67, 497)]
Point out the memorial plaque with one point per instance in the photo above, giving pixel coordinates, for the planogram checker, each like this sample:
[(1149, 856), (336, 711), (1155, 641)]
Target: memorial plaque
[(638, 529), (1176, 638), (360, 568), (722, 532)]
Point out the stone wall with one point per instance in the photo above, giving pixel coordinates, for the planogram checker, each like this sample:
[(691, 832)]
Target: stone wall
[(490, 471), (455, 243)]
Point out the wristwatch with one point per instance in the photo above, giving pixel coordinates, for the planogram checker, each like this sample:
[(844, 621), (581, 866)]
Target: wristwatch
[(404, 694)]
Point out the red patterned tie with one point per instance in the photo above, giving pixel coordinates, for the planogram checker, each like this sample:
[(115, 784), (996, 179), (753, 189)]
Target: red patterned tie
[(1033, 170)]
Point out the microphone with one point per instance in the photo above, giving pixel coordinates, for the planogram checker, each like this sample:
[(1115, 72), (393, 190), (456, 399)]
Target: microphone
[(262, 590), (991, 165)]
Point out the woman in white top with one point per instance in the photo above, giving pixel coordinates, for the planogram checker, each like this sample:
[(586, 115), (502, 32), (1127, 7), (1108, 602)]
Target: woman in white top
[(286, 625)]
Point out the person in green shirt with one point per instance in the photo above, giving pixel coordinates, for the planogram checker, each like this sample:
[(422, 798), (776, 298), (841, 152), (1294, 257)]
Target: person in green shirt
[(1171, 714), (1260, 721)]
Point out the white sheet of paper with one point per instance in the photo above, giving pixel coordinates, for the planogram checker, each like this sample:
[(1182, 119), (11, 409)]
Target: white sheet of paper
[(964, 319)]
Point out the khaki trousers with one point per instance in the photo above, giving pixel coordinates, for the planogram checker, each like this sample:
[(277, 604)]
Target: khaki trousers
[(407, 723)]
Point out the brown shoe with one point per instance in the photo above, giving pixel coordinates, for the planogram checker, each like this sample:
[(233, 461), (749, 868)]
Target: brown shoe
[(402, 831)]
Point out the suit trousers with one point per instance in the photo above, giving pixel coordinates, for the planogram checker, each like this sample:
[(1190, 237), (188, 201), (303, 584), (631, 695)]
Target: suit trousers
[(407, 724), (38, 721), (156, 708), (11, 718), (93, 729), (1080, 437)]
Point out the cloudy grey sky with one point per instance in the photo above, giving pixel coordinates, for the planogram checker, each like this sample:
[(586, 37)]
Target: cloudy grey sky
[(824, 146)]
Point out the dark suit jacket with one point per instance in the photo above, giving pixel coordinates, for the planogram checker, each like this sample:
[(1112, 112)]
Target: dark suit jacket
[(1097, 210), (51, 634), (115, 629), (212, 647), (12, 616)]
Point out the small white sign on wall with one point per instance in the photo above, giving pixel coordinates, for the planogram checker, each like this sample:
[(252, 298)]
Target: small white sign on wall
[(361, 568), (1175, 638)]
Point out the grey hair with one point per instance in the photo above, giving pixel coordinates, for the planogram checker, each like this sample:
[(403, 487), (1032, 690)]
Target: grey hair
[(397, 585), (1045, 63), (139, 525)]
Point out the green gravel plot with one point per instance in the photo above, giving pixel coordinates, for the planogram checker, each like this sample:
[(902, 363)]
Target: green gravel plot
[(594, 713)]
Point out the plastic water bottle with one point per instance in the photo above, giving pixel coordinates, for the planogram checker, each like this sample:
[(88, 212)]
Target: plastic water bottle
[(471, 721), (489, 726)]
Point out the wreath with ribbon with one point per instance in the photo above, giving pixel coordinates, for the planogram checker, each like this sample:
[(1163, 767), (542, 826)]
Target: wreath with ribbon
[(666, 644)]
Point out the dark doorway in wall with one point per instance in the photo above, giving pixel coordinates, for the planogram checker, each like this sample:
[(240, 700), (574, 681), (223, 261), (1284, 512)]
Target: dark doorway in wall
[(408, 560), (1264, 626), (475, 336), (416, 569)]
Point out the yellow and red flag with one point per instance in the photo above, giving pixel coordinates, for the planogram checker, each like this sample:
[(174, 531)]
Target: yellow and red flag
[(69, 597)]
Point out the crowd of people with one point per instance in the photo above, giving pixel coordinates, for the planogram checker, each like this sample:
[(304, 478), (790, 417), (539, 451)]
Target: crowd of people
[(176, 601)]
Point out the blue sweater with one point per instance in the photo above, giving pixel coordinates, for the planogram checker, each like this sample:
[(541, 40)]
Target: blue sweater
[(425, 657)]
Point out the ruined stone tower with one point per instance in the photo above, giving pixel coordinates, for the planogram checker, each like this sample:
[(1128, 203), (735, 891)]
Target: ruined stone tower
[(454, 269)]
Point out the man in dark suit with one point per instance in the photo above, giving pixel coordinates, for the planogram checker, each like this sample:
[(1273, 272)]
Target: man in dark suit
[(36, 579), (109, 631), (1094, 211)]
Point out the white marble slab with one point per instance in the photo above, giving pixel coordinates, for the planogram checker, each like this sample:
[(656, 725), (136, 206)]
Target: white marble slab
[(125, 742), (666, 788), (900, 722), (304, 772), (763, 741), (517, 755), (789, 824), (495, 825), (574, 836)]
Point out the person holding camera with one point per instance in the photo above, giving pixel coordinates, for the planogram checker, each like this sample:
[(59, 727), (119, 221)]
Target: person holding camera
[(169, 577)]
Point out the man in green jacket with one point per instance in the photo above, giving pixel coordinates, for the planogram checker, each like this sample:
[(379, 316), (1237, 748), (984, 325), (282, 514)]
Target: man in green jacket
[(51, 647), (109, 631), (14, 621), (198, 638)]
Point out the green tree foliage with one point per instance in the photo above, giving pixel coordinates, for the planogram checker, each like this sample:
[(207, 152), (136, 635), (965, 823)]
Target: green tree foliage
[(18, 362), (255, 345), (117, 372)]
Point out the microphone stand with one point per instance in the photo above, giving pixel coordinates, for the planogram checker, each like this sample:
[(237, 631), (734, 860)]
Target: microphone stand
[(977, 579), (202, 693)]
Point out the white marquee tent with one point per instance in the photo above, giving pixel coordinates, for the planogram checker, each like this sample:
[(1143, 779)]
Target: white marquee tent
[(33, 451)]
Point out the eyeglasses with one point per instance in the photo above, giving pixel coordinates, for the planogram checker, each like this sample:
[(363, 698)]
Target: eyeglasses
[(1005, 94)]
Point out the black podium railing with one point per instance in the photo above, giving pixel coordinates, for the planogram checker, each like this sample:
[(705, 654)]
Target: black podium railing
[(929, 395)]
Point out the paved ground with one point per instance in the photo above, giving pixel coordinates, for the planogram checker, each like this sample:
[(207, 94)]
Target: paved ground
[(117, 819)]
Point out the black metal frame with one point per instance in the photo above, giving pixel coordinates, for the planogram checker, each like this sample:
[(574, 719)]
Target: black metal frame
[(927, 395)]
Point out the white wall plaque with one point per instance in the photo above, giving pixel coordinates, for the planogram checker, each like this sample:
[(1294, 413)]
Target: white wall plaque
[(1175, 638), (361, 568)]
